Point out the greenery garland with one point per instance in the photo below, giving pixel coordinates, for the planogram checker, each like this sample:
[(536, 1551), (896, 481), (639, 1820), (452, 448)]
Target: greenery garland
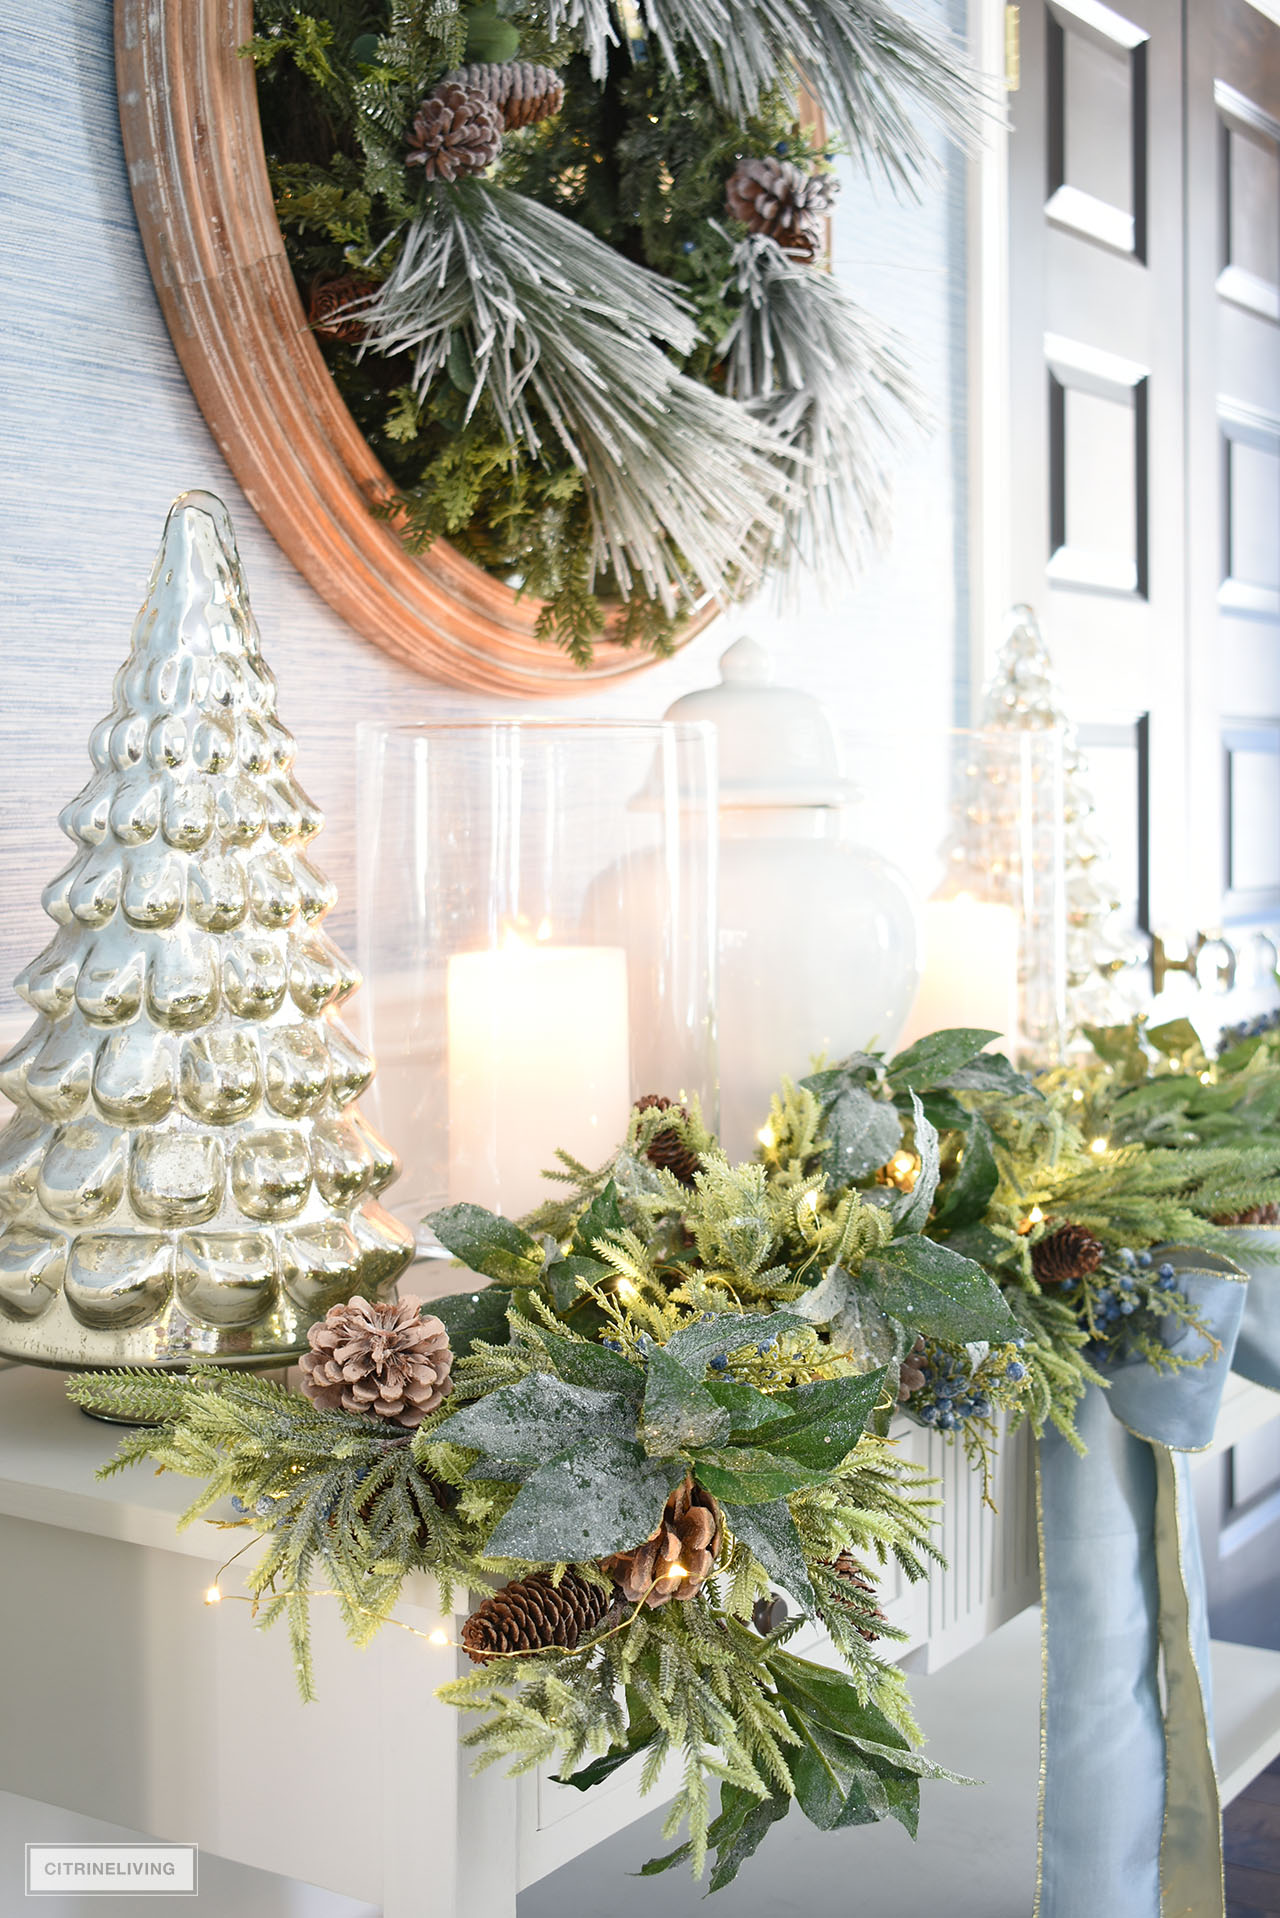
[(602, 375), (673, 1327)]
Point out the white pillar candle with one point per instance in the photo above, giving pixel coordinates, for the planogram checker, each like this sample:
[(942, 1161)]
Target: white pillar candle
[(970, 975), (538, 1058)]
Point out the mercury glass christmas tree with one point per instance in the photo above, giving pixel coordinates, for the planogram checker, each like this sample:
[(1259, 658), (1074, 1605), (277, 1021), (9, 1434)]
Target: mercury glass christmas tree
[(187, 1174), (1025, 809)]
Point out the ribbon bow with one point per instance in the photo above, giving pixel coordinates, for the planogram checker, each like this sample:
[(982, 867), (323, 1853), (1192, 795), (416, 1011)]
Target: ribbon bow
[(1130, 1819)]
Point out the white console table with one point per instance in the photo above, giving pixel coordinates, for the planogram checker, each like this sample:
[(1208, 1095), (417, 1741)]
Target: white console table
[(127, 1698)]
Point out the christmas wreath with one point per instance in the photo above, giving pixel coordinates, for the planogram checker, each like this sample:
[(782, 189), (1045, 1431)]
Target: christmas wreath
[(565, 261)]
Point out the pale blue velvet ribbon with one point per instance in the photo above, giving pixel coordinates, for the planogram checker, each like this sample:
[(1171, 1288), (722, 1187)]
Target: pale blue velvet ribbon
[(1130, 1823)]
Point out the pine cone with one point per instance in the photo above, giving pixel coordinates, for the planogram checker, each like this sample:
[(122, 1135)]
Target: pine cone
[(774, 197), (910, 1372), (669, 1149), (456, 131), (848, 1570), (521, 93), (675, 1561), (326, 309), (1067, 1254), (1255, 1215), (533, 1613), (380, 1359)]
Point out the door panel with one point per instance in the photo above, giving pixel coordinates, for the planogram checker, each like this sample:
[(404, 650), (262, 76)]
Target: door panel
[(1233, 480), (1096, 354), (1145, 375)]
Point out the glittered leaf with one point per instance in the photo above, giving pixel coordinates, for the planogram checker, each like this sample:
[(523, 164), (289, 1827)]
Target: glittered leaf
[(856, 1322), (769, 1531), (467, 1316), (693, 1345), (861, 1131), (680, 1415), (931, 1289), (488, 1243), (822, 1421), (746, 1407), (935, 1057), (740, 1829), (746, 1475), (967, 1197), (1175, 1037), (602, 1496), (911, 1210), (584, 1363), (563, 1279), (992, 1072), (538, 1418)]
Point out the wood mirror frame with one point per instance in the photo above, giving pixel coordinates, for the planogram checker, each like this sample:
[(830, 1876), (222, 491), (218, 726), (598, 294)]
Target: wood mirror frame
[(198, 172)]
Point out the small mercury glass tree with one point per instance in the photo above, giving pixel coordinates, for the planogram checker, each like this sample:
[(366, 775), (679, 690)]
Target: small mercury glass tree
[(186, 1174), (1021, 812)]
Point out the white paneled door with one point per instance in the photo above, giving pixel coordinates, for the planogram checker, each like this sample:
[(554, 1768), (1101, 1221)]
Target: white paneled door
[(1145, 373)]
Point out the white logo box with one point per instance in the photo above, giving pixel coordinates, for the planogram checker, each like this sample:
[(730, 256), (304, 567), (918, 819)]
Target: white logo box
[(129, 1870)]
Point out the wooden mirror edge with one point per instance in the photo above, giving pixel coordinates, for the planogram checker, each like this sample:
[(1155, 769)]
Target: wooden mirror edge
[(198, 174)]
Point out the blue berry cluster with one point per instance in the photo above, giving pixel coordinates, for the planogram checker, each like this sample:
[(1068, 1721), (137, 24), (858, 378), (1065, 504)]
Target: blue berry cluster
[(1125, 1287), (963, 1383), (1254, 1028)]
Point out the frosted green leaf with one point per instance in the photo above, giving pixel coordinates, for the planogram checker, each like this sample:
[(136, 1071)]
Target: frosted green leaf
[(680, 1415), (935, 1057), (538, 1418), (488, 1243), (933, 1290), (769, 1531), (602, 1496)]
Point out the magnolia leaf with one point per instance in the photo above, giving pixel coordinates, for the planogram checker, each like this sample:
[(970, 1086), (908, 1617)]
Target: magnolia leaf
[(769, 1531), (934, 1058), (582, 1362), (856, 1323), (693, 1345), (1175, 1037), (862, 1132), (966, 1199), (602, 1496), (1120, 1047), (992, 1072), (489, 1243), (911, 1209), (978, 1242), (747, 1475), (639, 1737), (680, 1415), (467, 1316), (538, 1418), (562, 1278), (835, 1786), (856, 1070), (601, 1216), (933, 1290), (737, 1833), (822, 1421), (941, 1109), (746, 1407)]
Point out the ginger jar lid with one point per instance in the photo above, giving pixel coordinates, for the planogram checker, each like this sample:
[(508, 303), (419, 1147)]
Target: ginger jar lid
[(776, 745)]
